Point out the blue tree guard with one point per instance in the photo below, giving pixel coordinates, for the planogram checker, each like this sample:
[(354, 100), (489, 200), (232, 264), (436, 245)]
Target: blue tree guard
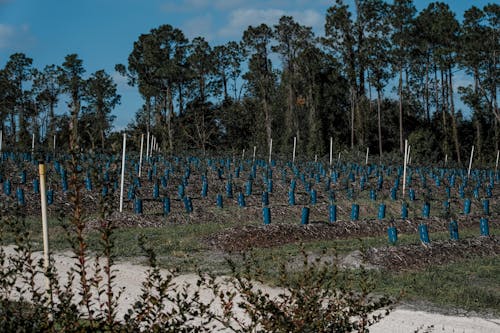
[(392, 232), (104, 191), (181, 191), (453, 227), (166, 206), (467, 206), (394, 193), (241, 200), (426, 210), (88, 184), (20, 196), (424, 233), (354, 212), (265, 198), (411, 194), (484, 227), (204, 189), (36, 186), (270, 185), (156, 190), (248, 188), (7, 187), (291, 198), (229, 190), (219, 201), (305, 216), (332, 209), (188, 205), (381, 211), (313, 197), (138, 205), (50, 197), (486, 207), (266, 213), (404, 210)]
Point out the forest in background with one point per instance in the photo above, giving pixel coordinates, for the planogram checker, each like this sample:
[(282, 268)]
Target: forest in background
[(382, 73)]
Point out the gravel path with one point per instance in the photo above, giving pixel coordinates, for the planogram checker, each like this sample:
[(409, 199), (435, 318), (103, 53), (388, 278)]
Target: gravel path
[(130, 276)]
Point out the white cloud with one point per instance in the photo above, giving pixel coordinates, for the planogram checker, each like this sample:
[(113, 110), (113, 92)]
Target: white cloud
[(240, 19), (15, 37), (199, 26), (6, 34)]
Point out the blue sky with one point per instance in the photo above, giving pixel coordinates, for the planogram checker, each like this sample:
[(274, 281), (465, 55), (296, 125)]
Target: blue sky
[(102, 32)]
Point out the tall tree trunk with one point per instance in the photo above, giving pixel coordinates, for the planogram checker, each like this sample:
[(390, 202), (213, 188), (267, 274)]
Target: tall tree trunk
[(379, 118), (427, 104), (268, 121), (477, 117), (453, 118), (170, 114), (352, 117), (400, 92)]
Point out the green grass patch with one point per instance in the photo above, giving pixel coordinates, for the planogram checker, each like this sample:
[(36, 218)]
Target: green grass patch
[(472, 284)]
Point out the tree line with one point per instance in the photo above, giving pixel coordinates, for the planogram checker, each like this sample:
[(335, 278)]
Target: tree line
[(382, 72)]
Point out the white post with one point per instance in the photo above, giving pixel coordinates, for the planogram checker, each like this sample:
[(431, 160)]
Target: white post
[(316, 158), (140, 154), (367, 152), (496, 164), (408, 159), (331, 150), (32, 143), (470, 161), (270, 151), (1, 138), (54, 143), (445, 159), (404, 167), (294, 147), (153, 139), (243, 155), (338, 160), (45, 231), (147, 146), (123, 171), (254, 150)]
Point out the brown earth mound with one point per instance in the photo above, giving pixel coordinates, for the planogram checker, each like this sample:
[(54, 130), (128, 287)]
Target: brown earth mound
[(420, 256)]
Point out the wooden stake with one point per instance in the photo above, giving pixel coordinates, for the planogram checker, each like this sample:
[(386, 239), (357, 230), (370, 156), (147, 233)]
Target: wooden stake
[(294, 147), (147, 146), (123, 171), (254, 150), (408, 158), (404, 167), (331, 151), (367, 152), (243, 155), (140, 155), (270, 150), (496, 164), (32, 143), (45, 231), (470, 161)]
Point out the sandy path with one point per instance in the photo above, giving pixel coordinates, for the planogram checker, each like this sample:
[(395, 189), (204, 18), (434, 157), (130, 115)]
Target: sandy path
[(131, 277)]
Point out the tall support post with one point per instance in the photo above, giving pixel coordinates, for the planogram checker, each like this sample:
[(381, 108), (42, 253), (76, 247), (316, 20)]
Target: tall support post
[(140, 154), (123, 171)]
